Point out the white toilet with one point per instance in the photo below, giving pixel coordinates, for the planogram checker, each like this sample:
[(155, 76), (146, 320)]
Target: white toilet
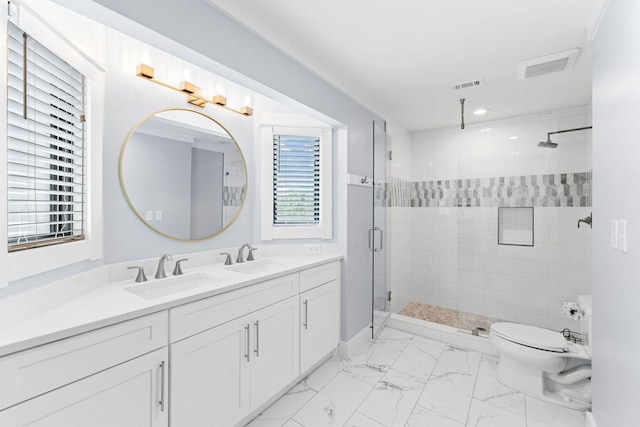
[(541, 363)]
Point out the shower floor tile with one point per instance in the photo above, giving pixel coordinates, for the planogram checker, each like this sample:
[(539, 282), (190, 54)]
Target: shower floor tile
[(448, 317), (404, 380)]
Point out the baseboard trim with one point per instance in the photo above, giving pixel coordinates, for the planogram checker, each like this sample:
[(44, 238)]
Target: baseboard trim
[(591, 422), (348, 349)]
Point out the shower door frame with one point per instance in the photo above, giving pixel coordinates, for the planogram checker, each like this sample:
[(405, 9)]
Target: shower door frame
[(378, 233)]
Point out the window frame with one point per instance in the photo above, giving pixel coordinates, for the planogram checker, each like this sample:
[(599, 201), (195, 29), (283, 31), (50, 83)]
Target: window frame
[(54, 137), (21, 264), (322, 230)]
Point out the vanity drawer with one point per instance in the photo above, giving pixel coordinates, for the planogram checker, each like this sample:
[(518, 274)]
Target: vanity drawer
[(316, 276), (30, 373), (201, 315)]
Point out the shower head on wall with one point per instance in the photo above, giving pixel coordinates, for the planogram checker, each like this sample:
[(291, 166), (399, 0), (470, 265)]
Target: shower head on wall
[(550, 144)]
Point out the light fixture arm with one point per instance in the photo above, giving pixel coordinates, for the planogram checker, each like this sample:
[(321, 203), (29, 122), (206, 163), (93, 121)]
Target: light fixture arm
[(565, 131)]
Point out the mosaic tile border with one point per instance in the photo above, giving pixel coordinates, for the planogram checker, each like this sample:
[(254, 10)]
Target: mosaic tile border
[(551, 190), (232, 196)]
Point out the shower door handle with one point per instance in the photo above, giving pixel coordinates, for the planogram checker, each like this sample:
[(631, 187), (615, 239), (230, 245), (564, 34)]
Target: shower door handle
[(371, 242), (381, 241)]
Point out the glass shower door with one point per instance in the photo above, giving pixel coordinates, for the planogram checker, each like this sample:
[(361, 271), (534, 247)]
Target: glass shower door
[(377, 238)]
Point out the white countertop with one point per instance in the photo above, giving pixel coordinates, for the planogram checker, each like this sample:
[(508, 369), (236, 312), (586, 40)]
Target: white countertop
[(109, 303)]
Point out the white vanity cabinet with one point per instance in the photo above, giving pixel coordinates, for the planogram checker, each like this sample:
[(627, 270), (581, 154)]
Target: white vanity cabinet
[(319, 313), (220, 375), (105, 378), (129, 395), (275, 359), (209, 377), (216, 361)]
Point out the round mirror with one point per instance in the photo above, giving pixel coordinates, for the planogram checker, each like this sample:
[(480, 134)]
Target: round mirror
[(183, 174)]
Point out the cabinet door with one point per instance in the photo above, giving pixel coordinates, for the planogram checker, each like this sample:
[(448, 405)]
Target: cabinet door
[(133, 394), (209, 377), (275, 358), (320, 323)]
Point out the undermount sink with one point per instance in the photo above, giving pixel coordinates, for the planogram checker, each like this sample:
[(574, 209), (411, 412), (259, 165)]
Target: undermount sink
[(171, 285), (256, 267)]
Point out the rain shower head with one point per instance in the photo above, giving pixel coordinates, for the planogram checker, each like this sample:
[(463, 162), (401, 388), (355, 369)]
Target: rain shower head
[(548, 143)]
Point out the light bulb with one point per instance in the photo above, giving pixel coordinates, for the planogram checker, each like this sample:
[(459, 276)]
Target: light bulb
[(145, 58), (186, 74)]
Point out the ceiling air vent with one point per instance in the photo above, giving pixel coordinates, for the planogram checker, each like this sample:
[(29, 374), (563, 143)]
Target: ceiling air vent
[(470, 83), (547, 64)]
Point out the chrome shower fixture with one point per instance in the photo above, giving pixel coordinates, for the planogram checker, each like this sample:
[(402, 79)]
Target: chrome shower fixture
[(550, 144)]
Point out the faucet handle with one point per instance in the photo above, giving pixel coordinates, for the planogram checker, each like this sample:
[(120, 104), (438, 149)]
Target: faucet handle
[(250, 257), (227, 261), (141, 276), (177, 270)]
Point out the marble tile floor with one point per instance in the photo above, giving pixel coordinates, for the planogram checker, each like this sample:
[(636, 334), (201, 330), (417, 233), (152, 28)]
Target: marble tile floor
[(405, 380)]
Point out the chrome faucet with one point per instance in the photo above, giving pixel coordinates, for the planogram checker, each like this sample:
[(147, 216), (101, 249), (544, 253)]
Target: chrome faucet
[(586, 220), (240, 258), (160, 274)]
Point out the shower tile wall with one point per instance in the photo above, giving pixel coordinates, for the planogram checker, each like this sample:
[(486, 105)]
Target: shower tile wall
[(455, 260)]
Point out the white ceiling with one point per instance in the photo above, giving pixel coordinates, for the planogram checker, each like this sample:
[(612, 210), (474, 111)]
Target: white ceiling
[(401, 57)]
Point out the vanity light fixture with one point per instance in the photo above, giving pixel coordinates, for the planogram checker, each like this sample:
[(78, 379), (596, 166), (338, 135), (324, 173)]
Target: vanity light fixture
[(195, 95), (480, 111)]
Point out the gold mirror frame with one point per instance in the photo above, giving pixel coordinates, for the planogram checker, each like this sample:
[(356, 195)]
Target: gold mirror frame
[(130, 203)]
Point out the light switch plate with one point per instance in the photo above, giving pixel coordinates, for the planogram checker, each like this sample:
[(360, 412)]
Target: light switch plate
[(158, 215), (148, 215), (614, 234)]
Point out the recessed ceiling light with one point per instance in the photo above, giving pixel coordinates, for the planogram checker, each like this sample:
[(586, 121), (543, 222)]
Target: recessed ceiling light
[(480, 111), (513, 137), (485, 130)]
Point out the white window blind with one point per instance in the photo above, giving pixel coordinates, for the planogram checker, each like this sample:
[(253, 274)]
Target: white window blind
[(296, 180), (46, 145)]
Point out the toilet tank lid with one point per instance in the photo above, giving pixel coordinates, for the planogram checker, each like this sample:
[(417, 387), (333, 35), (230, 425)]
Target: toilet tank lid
[(531, 336)]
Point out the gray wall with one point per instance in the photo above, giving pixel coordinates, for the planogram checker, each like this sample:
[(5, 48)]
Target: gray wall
[(129, 99), (166, 164), (206, 31), (616, 153), (201, 27)]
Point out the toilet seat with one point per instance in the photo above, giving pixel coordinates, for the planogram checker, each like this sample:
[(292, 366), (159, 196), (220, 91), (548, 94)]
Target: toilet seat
[(531, 336)]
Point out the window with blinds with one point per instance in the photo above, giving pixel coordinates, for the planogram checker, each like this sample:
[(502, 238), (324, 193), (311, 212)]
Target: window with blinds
[(296, 180), (46, 146)]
